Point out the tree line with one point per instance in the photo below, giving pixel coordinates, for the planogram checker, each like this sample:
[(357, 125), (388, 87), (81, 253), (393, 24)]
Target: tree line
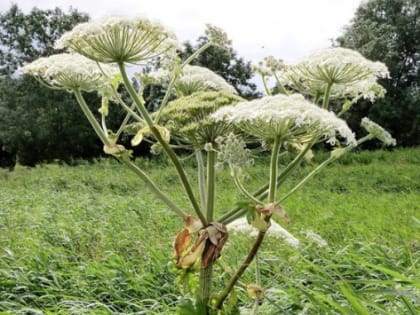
[(40, 125)]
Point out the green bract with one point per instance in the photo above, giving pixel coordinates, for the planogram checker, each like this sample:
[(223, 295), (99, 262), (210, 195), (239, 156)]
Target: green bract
[(119, 39)]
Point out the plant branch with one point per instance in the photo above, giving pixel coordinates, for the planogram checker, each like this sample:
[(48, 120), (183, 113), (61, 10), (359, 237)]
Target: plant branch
[(168, 150)]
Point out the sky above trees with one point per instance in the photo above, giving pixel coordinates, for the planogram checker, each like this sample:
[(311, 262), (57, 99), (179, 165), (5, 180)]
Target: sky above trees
[(282, 28)]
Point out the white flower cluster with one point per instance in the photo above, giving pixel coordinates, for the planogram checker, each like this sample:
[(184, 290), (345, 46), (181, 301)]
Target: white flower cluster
[(119, 39), (289, 117), (71, 72), (349, 73), (378, 132), (242, 226), (192, 79), (316, 238)]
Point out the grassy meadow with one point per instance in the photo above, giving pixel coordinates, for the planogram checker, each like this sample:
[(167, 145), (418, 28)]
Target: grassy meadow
[(91, 239)]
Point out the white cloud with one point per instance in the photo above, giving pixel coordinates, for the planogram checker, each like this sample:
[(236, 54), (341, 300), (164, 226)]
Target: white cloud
[(287, 29)]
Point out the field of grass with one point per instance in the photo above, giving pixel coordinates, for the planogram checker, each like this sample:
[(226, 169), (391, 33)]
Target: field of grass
[(91, 240)]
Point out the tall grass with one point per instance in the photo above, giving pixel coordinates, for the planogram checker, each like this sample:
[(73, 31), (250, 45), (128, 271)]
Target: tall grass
[(92, 240)]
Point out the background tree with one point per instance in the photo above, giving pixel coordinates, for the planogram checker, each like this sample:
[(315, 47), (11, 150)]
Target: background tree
[(389, 31), (36, 123), (224, 61)]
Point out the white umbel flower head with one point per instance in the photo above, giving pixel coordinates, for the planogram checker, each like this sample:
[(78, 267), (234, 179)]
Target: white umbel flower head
[(71, 72), (192, 79), (378, 132), (290, 118), (119, 39), (347, 71)]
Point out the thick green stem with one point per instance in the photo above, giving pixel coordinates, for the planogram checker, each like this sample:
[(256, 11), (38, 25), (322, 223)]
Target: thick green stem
[(92, 120), (273, 170), (201, 180), (240, 271), (205, 286), (168, 150), (211, 183), (326, 96)]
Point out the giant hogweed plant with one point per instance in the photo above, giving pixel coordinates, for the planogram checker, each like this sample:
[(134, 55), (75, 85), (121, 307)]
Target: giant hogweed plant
[(209, 119)]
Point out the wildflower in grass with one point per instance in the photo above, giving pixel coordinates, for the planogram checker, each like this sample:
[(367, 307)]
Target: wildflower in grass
[(192, 79), (242, 226), (376, 131), (71, 72), (289, 118), (119, 39), (346, 72), (316, 238)]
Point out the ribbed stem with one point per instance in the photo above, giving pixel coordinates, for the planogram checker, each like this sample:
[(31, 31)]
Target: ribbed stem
[(326, 96), (205, 286), (211, 184), (273, 171), (201, 180)]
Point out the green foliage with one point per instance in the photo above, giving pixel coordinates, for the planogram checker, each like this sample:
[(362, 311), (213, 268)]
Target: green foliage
[(224, 61), (36, 123), (24, 38), (73, 240), (41, 125), (388, 31)]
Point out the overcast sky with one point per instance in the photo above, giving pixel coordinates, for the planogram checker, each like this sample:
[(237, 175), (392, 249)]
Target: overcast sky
[(287, 29)]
